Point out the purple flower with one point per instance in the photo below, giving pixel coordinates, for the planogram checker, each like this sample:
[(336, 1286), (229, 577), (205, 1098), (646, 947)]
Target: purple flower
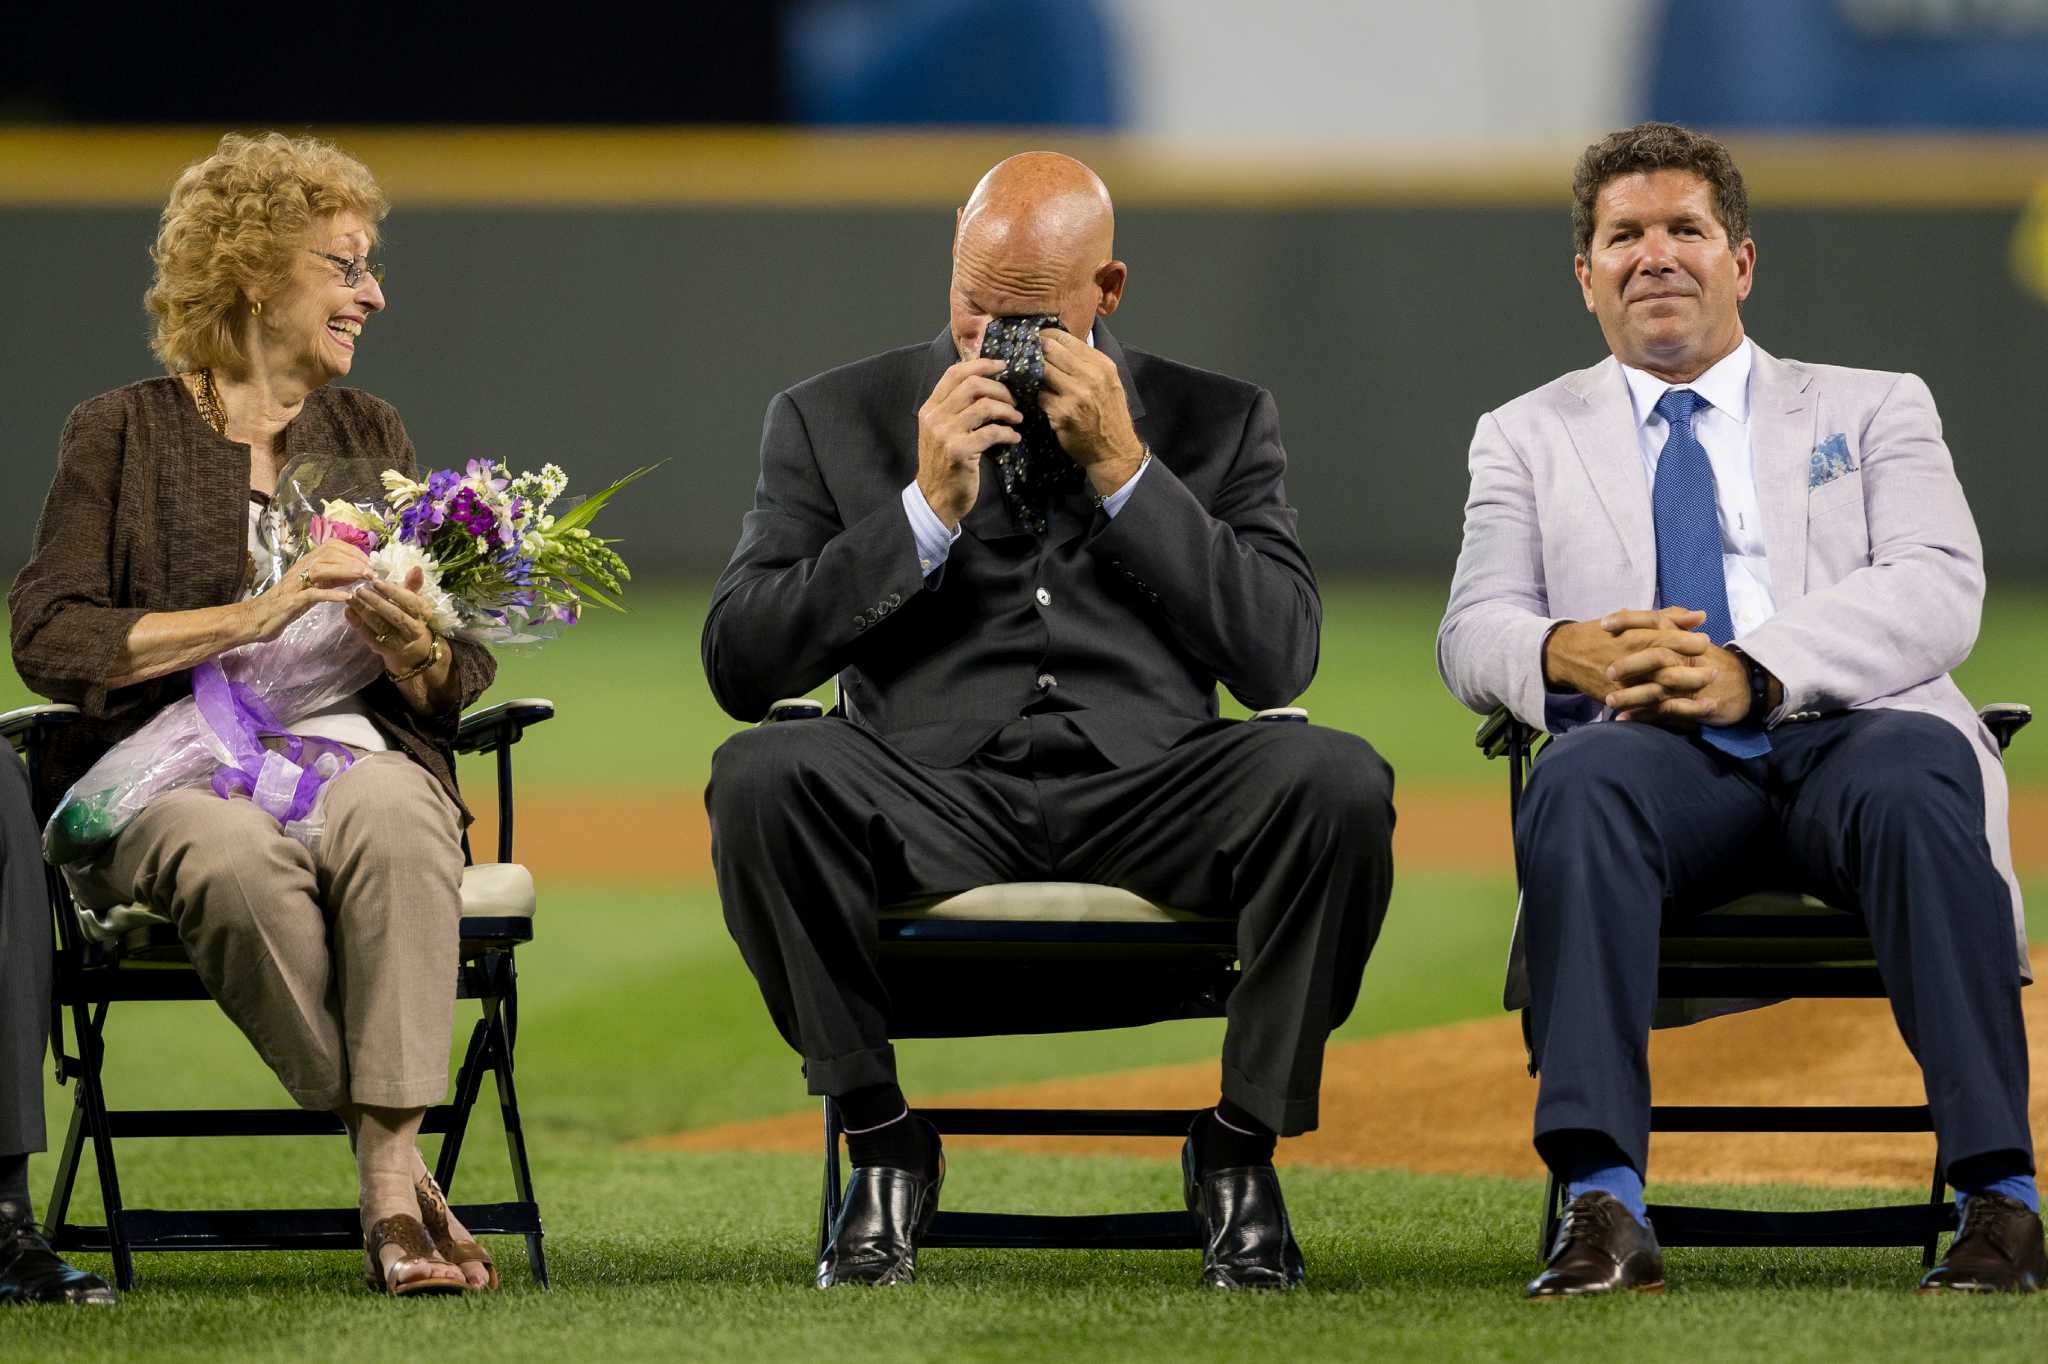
[(517, 568), (467, 510), (483, 469), (418, 522), (442, 482)]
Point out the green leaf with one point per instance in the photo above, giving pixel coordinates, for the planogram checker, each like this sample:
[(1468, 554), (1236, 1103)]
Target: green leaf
[(583, 513)]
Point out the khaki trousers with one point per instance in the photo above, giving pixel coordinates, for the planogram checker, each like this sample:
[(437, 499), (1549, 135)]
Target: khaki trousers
[(337, 962)]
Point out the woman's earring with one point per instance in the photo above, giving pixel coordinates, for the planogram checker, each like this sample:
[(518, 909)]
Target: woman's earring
[(256, 308)]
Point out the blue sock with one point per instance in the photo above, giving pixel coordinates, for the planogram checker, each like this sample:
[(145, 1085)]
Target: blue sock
[(1620, 1181), (2007, 1173), (2019, 1188)]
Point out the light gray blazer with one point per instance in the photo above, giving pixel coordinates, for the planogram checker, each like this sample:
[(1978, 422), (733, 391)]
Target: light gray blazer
[(1876, 568)]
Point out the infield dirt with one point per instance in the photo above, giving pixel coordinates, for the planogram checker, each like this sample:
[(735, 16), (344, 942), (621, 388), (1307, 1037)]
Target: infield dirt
[(1455, 1099), (1458, 1099), (657, 834)]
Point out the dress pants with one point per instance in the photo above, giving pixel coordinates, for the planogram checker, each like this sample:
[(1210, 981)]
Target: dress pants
[(817, 824), (338, 963), (1881, 811), (26, 948)]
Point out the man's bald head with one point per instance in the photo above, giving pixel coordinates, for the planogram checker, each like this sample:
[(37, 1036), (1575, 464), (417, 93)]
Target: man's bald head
[(1034, 237)]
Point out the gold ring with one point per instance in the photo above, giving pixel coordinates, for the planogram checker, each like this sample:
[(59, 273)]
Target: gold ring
[(383, 639), (306, 576)]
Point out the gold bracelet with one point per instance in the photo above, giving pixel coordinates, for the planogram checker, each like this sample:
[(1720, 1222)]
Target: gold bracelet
[(432, 659)]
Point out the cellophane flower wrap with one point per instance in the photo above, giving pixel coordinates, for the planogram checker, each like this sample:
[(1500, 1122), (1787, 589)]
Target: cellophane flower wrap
[(505, 560)]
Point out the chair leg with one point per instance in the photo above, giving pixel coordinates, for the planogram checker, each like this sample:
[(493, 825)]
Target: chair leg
[(93, 1099), (1553, 1201), (1936, 1198), (515, 1133), (828, 1206), (59, 1207), (469, 1081)]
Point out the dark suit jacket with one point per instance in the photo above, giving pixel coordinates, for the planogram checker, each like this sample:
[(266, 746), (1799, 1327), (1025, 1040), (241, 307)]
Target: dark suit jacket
[(1198, 579)]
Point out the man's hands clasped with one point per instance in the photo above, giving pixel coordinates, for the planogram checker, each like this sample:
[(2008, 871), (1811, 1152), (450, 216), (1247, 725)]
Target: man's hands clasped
[(969, 412), (1083, 398), (1650, 666)]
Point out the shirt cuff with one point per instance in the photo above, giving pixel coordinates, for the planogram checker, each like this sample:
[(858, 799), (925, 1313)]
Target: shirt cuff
[(1114, 503), (934, 541)]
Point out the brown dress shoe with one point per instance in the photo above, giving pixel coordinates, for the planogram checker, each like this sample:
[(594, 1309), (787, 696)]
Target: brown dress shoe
[(1600, 1248), (1998, 1249)]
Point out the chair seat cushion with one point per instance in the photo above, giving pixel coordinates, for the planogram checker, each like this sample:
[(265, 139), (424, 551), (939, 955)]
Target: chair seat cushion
[(490, 890), (1048, 902), (1773, 928)]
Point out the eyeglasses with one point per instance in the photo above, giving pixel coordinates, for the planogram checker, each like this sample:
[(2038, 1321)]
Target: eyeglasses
[(353, 268)]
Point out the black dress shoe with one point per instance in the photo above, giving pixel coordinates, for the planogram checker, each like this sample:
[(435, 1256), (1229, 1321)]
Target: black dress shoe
[(31, 1272), (1600, 1248), (884, 1215), (1246, 1239), (1998, 1249)]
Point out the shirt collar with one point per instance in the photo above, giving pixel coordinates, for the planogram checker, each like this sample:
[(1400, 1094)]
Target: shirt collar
[(1725, 386)]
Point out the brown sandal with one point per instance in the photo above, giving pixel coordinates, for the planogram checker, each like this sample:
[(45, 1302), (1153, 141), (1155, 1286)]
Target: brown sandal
[(409, 1236), (435, 1216)]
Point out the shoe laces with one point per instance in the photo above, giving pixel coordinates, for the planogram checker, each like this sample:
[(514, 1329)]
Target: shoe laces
[(1982, 1215), (1586, 1219), (25, 1237)]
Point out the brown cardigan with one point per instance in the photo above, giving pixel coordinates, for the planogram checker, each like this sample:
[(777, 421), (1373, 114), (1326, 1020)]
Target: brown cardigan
[(149, 512)]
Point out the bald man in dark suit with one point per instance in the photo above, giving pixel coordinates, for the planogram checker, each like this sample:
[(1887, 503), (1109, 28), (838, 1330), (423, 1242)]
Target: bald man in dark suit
[(1027, 635)]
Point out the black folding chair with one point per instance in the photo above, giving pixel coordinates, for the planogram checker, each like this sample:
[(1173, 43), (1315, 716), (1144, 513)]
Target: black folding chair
[(1045, 957), (134, 955), (1772, 946)]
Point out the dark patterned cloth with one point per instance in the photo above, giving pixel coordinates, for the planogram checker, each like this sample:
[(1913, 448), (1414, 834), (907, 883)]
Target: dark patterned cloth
[(1036, 468)]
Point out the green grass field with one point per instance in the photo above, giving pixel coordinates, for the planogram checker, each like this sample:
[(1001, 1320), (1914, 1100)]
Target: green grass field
[(638, 1019)]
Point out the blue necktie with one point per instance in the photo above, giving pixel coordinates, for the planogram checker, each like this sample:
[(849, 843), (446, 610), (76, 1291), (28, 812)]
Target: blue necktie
[(1689, 569)]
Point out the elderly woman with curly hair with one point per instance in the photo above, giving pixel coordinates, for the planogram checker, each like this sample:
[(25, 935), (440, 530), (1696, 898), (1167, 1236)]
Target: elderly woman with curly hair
[(338, 962)]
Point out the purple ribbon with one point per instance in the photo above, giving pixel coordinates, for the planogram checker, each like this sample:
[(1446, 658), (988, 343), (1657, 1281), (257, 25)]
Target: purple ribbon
[(283, 784)]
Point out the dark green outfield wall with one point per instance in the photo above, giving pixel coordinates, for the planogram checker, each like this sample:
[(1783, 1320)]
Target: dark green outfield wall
[(608, 339)]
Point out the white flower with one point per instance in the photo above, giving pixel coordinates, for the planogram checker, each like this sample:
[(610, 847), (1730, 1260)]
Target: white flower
[(442, 615), (394, 562), (401, 491), (349, 514)]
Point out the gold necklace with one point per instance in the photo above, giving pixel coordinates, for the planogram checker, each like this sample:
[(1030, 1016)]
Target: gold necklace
[(208, 399)]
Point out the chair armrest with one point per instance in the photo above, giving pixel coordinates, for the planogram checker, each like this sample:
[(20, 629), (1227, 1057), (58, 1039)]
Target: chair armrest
[(500, 726), (1500, 729), (2003, 718), (793, 708), (1286, 715), (21, 727)]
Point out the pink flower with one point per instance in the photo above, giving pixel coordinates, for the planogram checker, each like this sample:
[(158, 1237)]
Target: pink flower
[(320, 528)]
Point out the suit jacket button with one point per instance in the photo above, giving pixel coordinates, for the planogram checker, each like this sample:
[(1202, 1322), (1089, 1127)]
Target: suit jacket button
[(895, 599), (1046, 681), (1044, 597), (860, 622)]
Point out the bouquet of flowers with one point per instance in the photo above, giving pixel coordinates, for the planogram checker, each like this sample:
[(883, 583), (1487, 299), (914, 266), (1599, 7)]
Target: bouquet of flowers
[(504, 560)]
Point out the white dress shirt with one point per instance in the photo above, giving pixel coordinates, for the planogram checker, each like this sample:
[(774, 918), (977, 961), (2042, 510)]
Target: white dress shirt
[(935, 542), (1722, 429)]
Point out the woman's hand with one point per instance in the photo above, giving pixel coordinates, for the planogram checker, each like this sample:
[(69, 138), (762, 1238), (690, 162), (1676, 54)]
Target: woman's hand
[(327, 573), (396, 622), (393, 621)]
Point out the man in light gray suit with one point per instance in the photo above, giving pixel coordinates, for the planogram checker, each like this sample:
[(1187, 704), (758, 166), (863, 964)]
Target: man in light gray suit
[(1763, 570)]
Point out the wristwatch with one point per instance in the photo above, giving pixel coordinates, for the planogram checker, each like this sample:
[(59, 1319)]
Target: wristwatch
[(1759, 686)]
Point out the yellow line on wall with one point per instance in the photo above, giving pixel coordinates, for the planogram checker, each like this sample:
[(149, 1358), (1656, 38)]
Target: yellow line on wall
[(452, 167)]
